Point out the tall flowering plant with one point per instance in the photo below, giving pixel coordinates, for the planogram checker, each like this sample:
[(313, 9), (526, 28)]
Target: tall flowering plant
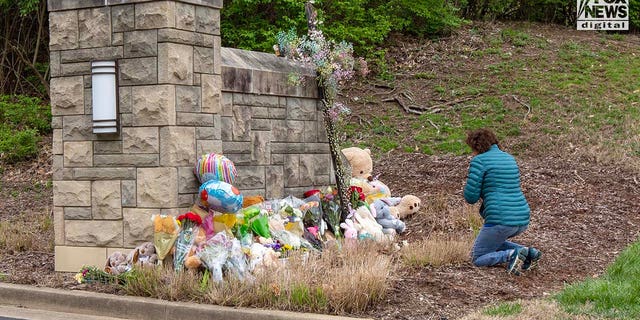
[(334, 64)]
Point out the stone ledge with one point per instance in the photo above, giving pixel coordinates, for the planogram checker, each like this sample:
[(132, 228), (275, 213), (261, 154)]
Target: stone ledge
[(128, 307), (71, 259)]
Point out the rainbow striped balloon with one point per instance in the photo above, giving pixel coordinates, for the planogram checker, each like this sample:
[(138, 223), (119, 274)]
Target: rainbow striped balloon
[(215, 167)]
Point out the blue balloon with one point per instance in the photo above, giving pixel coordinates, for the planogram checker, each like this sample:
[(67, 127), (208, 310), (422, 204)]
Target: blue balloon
[(220, 196)]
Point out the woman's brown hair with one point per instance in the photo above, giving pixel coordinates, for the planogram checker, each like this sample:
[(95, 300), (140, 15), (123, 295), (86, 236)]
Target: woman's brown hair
[(481, 140)]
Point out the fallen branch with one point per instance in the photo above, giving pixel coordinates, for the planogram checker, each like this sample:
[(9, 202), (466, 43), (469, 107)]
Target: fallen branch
[(434, 125), (408, 109), (438, 107), (524, 104), (579, 177)]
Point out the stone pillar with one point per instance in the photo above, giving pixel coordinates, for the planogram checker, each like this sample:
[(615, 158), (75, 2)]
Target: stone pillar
[(106, 187)]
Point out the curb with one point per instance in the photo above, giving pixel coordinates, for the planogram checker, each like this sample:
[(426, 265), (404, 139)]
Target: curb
[(129, 307)]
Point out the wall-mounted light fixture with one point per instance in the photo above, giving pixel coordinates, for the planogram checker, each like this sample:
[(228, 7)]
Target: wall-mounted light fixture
[(104, 93)]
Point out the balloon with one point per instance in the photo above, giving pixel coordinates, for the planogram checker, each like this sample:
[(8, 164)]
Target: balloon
[(220, 196), (215, 167)]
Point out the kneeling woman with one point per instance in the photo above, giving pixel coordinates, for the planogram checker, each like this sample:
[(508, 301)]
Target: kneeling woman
[(494, 178)]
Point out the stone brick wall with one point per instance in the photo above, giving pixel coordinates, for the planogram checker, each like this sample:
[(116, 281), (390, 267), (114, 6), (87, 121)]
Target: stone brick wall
[(272, 130), (180, 95)]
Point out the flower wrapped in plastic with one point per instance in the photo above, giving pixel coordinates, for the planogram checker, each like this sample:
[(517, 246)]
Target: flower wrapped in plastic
[(214, 254), (331, 210), (256, 221), (190, 223), (165, 233), (312, 213), (237, 263)]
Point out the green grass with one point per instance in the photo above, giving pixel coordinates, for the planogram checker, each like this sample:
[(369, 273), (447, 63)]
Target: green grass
[(616, 294), (504, 309), (22, 121), (515, 37)]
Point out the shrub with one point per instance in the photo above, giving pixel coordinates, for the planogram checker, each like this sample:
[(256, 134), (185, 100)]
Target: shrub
[(22, 120), (17, 145), (22, 112), (253, 24)]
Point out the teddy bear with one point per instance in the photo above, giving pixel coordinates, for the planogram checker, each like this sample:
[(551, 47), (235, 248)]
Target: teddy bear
[(386, 218), (407, 206), (117, 263), (361, 167)]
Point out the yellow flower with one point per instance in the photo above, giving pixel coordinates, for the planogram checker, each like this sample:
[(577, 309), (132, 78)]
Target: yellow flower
[(78, 277), (287, 247)]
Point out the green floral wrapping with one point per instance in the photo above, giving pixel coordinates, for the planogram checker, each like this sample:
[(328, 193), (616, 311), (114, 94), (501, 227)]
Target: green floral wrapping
[(163, 242), (183, 244)]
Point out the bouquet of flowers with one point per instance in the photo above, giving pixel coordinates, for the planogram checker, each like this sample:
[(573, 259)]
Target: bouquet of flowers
[(214, 254), (165, 232), (190, 223), (90, 274), (331, 212), (356, 197)]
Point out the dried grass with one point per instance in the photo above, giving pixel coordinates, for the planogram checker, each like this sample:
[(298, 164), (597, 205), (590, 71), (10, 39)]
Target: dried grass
[(27, 232), (445, 213), (340, 280), (531, 310), (437, 250)]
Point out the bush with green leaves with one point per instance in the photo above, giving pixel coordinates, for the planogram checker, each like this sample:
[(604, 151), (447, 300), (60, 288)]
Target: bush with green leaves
[(253, 24), (22, 121)]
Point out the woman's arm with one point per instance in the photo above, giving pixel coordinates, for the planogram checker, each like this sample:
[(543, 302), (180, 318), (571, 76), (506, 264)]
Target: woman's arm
[(473, 187)]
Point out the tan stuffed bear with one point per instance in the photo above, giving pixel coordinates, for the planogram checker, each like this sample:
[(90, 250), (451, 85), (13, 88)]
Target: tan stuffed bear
[(361, 167), (360, 162), (408, 205)]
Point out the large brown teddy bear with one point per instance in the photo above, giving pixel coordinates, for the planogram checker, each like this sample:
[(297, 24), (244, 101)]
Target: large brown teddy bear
[(361, 167)]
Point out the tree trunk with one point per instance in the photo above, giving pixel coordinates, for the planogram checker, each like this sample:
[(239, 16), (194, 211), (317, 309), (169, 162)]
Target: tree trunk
[(337, 161)]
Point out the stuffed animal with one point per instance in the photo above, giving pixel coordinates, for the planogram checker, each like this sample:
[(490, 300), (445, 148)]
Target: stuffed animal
[(361, 167), (117, 263), (389, 222), (349, 228), (366, 224), (145, 255), (251, 200), (407, 206), (262, 258), (193, 261)]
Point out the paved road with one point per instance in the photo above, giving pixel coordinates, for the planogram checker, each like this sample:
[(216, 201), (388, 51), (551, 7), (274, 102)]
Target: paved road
[(14, 313)]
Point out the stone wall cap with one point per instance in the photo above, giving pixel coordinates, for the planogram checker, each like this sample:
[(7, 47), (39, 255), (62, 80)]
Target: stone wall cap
[(59, 5), (243, 59)]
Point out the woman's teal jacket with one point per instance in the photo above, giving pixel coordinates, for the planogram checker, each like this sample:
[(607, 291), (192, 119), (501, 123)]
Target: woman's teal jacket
[(494, 177)]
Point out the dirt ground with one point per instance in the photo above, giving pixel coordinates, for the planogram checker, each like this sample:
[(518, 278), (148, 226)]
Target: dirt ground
[(583, 214), (582, 217)]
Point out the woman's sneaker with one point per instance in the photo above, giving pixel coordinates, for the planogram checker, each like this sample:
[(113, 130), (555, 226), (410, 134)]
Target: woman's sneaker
[(532, 259), (516, 260)]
